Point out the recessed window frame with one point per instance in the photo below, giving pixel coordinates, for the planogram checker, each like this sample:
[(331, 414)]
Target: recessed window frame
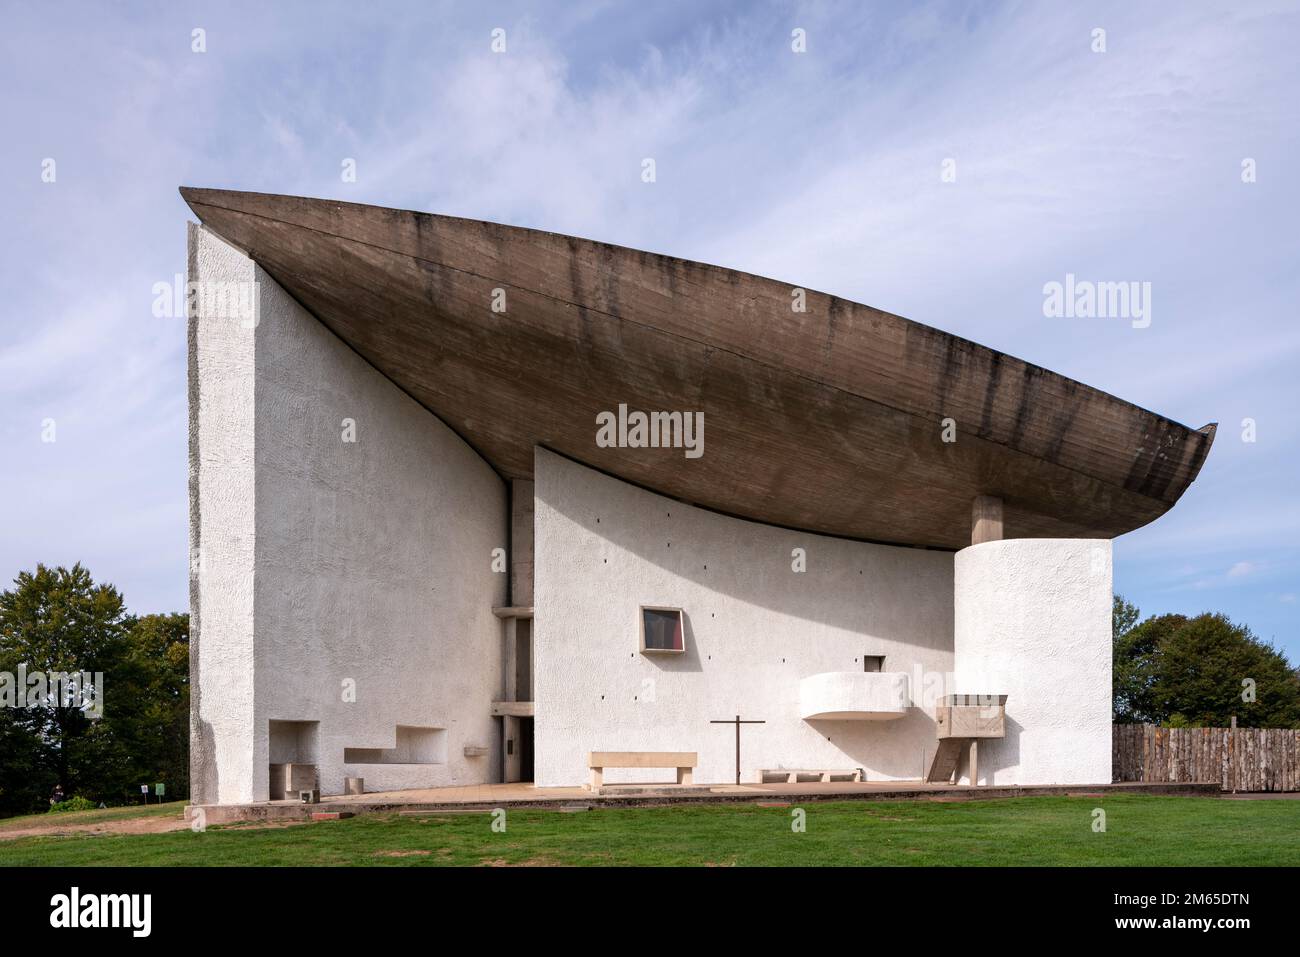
[(681, 621)]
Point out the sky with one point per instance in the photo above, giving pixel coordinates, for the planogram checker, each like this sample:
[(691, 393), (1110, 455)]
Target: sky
[(1162, 151)]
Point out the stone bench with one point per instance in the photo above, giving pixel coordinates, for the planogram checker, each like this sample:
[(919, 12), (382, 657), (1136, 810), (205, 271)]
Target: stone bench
[(684, 761), (823, 775)]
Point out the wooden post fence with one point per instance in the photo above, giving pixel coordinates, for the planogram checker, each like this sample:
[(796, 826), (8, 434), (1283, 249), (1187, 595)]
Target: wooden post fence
[(1241, 759)]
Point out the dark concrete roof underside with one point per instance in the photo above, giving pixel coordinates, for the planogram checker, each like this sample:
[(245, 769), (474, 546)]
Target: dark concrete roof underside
[(827, 420)]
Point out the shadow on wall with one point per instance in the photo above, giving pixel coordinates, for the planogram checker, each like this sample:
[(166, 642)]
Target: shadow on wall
[(998, 754), (205, 780), (752, 562), (873, 745), (876, 746)]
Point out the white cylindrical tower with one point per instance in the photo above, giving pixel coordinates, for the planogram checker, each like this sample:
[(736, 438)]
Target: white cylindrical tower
[(1032, 620)]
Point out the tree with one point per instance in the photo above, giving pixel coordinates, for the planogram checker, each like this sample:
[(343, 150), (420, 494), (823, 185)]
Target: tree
[(1212, 669), (1123, 616), (1133, 660), (26, 781), (1199, 672), (58, 620), (158, 665)]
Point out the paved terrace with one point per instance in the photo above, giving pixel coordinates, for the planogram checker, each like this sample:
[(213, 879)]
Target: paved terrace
[(488, 796)]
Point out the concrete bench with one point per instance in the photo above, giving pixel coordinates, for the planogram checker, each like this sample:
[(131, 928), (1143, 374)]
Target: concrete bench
[(791, 775), (684, 761), (287, 780)]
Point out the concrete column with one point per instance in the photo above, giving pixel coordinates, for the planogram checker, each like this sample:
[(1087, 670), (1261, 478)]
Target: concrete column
[(510, 661), (986, 520), (521, 543)]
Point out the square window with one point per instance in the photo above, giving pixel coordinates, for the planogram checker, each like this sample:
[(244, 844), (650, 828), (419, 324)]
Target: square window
[(662, 631), (873, 662)]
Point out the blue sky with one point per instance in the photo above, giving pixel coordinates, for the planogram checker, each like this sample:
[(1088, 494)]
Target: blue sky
[(820, 168)]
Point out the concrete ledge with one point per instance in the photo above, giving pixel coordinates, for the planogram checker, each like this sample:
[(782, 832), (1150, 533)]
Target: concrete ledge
[(514, 611), (513, 709), (668, 794)]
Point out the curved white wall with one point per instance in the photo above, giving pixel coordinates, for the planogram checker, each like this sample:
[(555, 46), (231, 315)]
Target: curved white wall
[(331, 565), (1032, 620), (856, 696), (319, 562), (754, 629)]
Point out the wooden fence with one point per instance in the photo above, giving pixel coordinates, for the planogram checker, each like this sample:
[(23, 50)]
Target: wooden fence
[(1241, 759)]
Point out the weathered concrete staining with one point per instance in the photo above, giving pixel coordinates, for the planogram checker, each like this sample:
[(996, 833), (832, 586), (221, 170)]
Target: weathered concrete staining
[(827, 420)]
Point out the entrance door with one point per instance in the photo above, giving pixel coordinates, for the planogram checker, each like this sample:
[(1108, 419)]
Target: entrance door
[(526, 749)]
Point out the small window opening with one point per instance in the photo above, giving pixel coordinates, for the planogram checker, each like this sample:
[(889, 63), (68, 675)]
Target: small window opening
[(662, 631)]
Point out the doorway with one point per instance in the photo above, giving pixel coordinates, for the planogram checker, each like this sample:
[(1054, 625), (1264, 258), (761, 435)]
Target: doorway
[(526, 750), (517, 748)]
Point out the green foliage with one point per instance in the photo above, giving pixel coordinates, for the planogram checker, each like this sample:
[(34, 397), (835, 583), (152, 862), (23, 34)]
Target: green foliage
[(60, 620), (155, 719), (72, 804), (1199, 672), (1123, 616), (25, 779), (1132, 666)]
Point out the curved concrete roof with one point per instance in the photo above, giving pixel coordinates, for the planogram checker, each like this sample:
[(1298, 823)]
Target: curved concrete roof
[(826, 420)]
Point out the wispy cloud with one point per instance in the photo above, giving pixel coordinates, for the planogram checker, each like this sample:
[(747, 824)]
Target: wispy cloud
[(1242, 569), (822, 168)]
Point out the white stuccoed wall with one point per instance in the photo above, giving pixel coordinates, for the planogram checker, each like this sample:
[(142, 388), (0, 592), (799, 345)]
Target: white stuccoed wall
[(315, 561), (368, 561), (1033, 621), (221, 374), (754, 629)]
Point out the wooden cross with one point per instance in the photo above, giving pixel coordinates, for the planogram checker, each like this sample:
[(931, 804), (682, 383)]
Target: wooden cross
[(737, 722)]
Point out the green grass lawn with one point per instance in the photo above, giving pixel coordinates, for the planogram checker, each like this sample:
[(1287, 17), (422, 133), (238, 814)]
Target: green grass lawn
[(91, 817), (1034, 830)]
